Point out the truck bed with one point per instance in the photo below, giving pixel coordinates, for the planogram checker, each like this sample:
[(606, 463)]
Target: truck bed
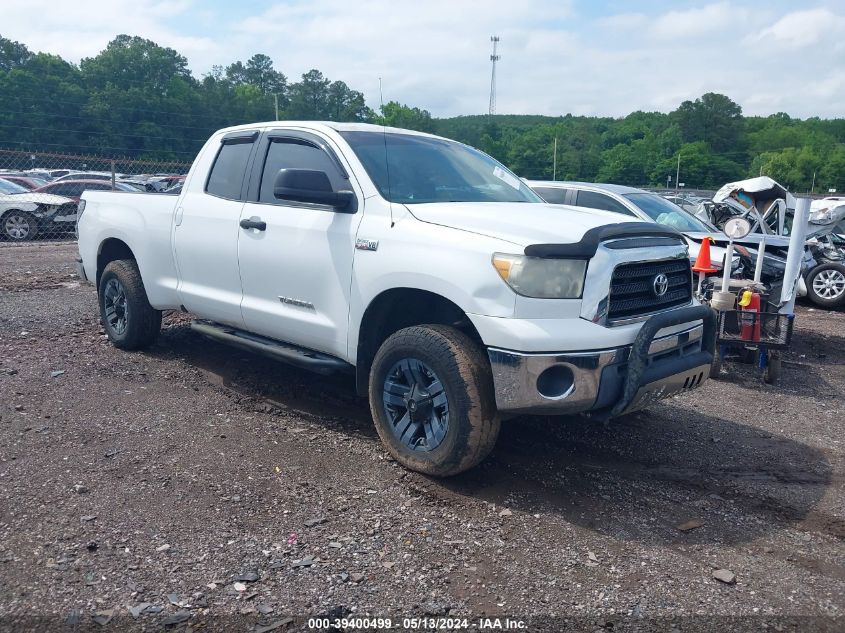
[(144, 223)]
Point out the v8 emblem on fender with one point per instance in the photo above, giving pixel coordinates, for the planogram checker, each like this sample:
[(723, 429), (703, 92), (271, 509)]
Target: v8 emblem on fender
[(363, 244)]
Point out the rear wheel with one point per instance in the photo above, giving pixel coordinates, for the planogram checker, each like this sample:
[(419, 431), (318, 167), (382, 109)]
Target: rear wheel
[(826, 285), (19, 226), (127, 316), (431, 396)]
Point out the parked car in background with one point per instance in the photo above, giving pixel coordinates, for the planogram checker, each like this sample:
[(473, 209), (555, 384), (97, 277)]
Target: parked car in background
[(687, 202), (155, 184), (651, 207), (24, 213), (175, 189), (43, 174), (163, 183), (27, 182), (87, 175), (74, 188)]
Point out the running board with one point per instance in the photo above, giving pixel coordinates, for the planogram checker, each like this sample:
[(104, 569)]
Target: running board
[(285, 352)]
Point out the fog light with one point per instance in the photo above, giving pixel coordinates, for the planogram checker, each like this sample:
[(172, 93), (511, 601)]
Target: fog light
[(556, 382)]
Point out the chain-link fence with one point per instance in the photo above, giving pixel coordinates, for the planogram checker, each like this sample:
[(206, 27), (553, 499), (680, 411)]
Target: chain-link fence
[(39, 192)]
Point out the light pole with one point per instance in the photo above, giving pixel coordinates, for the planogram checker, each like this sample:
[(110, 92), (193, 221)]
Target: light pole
[(678, 172)]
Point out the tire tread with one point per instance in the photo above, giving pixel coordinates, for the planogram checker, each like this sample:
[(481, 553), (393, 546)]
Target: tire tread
[(476, 397), (146, 322)]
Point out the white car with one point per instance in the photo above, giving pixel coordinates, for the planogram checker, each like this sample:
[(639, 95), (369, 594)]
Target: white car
[(24, 214), (419, 265), (87, 175)]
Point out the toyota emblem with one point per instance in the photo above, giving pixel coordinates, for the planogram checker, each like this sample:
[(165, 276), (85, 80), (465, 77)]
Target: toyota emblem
[(660, 285)]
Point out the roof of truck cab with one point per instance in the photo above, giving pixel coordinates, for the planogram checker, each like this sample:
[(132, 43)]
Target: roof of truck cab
[(329, 125), (620, 189)]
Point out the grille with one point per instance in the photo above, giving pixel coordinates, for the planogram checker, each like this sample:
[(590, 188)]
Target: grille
[(632, 288)]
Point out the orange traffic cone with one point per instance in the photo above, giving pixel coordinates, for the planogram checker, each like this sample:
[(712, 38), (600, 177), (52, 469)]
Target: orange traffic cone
[(702, 262)]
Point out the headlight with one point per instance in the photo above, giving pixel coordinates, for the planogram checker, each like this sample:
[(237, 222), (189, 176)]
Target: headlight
[(542, 278)]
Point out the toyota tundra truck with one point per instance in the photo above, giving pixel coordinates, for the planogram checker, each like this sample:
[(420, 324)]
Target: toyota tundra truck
[(450, 291)]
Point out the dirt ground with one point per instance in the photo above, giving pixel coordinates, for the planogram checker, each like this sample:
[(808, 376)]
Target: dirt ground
[(228, 492)]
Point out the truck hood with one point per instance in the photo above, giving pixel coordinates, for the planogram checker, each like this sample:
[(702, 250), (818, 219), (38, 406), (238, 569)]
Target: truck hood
[(521, 223)]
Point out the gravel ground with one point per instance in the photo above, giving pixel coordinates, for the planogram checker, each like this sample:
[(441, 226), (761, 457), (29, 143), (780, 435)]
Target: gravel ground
[(209, 484)]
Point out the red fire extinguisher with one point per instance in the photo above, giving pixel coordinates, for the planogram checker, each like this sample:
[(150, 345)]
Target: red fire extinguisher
[(749, 303)]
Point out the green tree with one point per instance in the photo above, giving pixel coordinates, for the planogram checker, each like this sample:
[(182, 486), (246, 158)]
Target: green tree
[(700, 167), (626, 164), (345, 104), (259, 72), (793, 167), (12, 54), (712, 118), (399, 115), (131, 61), (832, 171), (309, 98)]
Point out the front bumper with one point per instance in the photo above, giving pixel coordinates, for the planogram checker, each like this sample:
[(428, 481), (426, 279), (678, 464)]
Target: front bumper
[(609, 382)]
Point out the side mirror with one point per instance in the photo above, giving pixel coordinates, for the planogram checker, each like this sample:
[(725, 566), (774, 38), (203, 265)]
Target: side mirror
[(311, 186)]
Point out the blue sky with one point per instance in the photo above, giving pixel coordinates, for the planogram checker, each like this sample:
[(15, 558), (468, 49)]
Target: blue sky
[(600, 58)]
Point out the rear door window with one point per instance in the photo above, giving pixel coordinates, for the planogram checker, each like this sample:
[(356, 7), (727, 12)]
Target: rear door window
[(552, 195), (595, 200), (226, 178)]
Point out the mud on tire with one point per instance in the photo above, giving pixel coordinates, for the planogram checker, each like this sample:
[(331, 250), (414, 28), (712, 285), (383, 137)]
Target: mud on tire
[(458, 365), (126, 314)]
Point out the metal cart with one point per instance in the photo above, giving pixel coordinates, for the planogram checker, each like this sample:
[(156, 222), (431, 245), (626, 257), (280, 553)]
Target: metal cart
[(753, 337)]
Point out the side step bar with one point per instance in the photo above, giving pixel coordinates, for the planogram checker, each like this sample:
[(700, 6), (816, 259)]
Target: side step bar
[(285, 352)]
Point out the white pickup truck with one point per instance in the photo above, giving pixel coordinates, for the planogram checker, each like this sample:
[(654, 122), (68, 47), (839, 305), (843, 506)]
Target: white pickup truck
[(450, 290)]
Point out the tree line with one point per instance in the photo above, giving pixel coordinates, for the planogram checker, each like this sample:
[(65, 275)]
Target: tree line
[(138, 99)]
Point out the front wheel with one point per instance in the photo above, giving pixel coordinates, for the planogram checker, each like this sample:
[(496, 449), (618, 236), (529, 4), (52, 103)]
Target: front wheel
[(826, 285), (431, 397), (129, 319), (19, 226)]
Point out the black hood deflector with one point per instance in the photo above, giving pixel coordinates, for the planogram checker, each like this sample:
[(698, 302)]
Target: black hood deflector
[(586, 248)]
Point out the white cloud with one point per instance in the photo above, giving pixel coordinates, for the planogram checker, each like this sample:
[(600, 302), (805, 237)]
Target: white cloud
[(82, 28), (803, 28), (697, 22), (556, 57)]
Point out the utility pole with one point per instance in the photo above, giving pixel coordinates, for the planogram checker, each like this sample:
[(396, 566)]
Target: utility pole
[(813, 186), (554, 162), (678, 172), (493, 58), (276, 104)]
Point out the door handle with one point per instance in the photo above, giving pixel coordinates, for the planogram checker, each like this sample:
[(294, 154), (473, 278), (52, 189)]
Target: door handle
[(254, 223)]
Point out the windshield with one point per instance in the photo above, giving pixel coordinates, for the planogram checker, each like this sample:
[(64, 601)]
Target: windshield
[(664, 212), (11, 187), (414, 169)]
